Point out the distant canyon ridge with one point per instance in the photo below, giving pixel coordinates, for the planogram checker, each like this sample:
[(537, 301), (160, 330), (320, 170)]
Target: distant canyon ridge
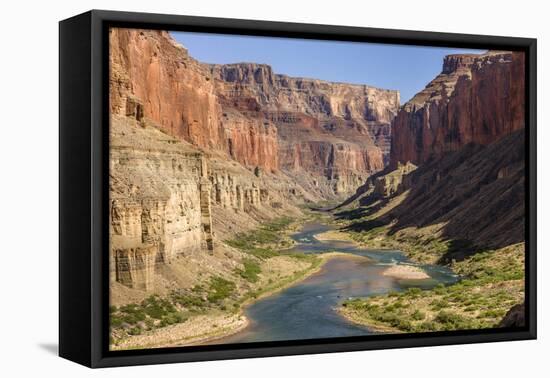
[(202, 151)]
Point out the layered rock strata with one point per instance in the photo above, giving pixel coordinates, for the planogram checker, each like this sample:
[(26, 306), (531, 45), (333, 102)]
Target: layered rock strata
[(200, 152), (475, 99), (178, 94), (337, 132), (159, 207), (135, 267), (458, 156), (169, 200)]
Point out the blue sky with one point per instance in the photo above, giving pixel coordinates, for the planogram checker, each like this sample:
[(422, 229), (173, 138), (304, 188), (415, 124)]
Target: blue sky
[(405, 68)]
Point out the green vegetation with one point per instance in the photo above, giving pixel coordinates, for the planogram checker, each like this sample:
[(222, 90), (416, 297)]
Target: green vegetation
[(263, 242), (421, 248), (153, 312), (493, 266), (157, 307), (493, 282), (250, 271), (220, 289), (493, 279), (283, 282), (418, 315), (192, 300)]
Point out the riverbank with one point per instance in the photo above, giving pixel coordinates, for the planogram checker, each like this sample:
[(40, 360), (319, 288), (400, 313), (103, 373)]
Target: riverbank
[(195, 330), (258, 264), (492, 279), (493, 282), (207, 328), (357, 318)]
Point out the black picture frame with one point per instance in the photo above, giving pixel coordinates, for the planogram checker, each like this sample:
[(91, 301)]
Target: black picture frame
[(83, 181)]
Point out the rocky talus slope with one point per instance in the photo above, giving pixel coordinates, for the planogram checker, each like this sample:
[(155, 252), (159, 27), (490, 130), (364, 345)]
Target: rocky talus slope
[(475, 99), (475, 194)]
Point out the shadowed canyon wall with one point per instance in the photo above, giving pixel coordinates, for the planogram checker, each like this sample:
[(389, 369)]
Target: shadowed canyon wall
[(457, 166), (476, 193)]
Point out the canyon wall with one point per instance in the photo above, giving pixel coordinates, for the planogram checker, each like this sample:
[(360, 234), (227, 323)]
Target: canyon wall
[(170, 200), (200, 152), (178, 94), (476, 193), (339, 133), (475, 99), (457, 166), (276, 92), (156, 208), (336, 133)]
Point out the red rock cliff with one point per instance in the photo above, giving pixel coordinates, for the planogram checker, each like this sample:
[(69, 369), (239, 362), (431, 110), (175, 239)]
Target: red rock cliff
[(476, 98), (337, 132), (177, 93), (333, 134)]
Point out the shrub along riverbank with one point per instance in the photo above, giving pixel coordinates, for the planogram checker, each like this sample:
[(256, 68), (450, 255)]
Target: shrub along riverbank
[(493, 281)]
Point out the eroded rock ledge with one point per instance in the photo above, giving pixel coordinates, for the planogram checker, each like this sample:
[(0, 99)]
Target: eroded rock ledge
[(169, 200)]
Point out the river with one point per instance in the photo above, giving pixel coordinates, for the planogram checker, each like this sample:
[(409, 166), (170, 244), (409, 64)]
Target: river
[(306, 310)]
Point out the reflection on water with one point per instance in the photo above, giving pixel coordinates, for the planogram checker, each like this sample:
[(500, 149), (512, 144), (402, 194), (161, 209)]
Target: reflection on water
[(306, 310)]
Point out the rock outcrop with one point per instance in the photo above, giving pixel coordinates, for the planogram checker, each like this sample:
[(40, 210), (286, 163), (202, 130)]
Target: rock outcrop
[(339, 133), (475, 99), (170, 200), (135, 267), (465, 130), (156, 206), (458, 157), (258, 84), (393, 182), (515, 317), (178, 94), (472, 199)]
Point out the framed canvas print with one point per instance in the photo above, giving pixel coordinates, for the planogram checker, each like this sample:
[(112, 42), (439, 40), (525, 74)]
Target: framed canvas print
[(234, 188)]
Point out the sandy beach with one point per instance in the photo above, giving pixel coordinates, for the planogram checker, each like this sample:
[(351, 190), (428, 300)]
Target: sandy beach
[(333, 235), (406, 272)]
